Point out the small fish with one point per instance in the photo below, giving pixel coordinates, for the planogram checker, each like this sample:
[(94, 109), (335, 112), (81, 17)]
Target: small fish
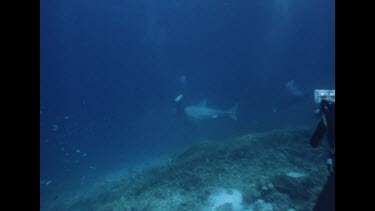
[(46, 183), (55, 127), (67, 117)]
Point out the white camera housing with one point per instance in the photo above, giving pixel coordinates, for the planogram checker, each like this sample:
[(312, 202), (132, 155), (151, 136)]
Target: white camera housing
[(320, 94)]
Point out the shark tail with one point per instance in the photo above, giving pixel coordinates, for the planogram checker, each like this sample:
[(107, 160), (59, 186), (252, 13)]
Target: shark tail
[(233, 112)]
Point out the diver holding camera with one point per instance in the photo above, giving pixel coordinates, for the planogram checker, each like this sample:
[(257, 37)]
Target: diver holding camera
[(326, 127)]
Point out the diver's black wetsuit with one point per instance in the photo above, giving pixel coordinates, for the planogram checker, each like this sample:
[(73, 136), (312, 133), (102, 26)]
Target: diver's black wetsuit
[(326, 199)]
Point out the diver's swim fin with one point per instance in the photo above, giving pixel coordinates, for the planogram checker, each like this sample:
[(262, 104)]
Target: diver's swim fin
[(318, 135)]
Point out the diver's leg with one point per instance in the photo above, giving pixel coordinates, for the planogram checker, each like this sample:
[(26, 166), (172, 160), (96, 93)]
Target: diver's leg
[(326, 199)]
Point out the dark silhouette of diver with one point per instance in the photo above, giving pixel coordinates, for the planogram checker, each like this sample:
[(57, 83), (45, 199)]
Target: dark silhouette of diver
[(326, 127)]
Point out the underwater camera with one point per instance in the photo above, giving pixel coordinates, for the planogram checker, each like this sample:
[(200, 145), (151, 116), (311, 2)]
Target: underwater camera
[(322, 94)]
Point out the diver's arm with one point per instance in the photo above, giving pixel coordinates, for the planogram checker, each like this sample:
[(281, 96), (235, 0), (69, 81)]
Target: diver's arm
[(324, 119), (318, 134)]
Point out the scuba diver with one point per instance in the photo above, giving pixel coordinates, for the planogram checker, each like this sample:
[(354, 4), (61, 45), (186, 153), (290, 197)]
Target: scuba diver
[(179, 104), (179, 99), (179, 108), (186, 125), (326, 127)]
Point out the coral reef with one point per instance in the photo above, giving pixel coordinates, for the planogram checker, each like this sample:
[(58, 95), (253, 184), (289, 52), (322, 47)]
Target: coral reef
[(277, 170)]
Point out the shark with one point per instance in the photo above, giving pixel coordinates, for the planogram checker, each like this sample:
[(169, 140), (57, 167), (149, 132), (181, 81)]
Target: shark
[(202, 111)]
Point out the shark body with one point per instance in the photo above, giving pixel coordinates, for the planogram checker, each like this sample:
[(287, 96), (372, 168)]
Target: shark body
[(202, 111)]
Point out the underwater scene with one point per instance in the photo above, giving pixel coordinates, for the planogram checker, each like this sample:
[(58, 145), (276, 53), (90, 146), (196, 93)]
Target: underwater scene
[(172, 105)]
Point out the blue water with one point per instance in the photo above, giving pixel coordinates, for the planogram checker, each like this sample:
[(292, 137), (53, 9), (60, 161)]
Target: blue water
[(111, 69)]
